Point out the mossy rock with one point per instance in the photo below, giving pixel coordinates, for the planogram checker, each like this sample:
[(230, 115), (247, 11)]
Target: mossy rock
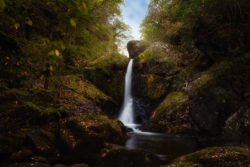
[(83, 137), (237, 126), (82, 88), (79, 95), (201, 81), (112, 84), (114, 156), (42, 140), (150, 86), (98, 126), (172, 114), (169, 104), (21, 156), (110, 70), (155, 74), (214, 156), (217, 94)]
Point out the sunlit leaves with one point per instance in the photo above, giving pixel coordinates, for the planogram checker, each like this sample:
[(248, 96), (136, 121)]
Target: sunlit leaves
[(16, 25), (84, 5), (41, 77), (85, 9), (29, 22), (51, 68), (57, 52), (54, 53), (73, 22)]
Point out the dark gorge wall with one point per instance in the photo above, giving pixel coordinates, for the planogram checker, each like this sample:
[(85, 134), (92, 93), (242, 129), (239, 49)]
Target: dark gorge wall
[(182, 99)]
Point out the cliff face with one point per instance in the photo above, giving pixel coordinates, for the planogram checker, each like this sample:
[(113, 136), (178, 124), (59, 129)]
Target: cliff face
[(185, 98)]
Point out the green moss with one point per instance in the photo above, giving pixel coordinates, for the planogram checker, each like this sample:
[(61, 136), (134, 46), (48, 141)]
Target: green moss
[(214, 156), (87, 121), (44, 110), (94, 126), (32, 106), (110, 71), (82, 89), (18, 92), (170, 104), (201, 81)]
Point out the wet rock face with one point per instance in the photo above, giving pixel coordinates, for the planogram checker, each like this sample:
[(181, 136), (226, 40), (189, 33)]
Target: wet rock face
[(135, 47), (238, 124), (210, 108)]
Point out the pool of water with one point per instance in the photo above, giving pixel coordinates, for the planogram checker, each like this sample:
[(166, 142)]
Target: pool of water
[(162, 144)]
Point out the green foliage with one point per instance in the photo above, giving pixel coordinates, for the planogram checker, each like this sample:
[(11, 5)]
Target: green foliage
[(214, 27), (54, 38), (153, 53)]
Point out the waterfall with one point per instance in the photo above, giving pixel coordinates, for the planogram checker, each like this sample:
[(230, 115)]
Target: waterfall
[(127, 115)]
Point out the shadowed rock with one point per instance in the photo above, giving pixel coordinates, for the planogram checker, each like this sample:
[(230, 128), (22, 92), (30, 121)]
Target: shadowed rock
[(136, 47)]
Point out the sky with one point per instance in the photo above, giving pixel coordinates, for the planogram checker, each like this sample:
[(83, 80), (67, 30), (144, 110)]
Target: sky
[(133, 12)]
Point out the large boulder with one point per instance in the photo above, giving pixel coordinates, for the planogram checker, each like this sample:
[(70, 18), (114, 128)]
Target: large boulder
[(215, 156), (173, 115), (210, 108), (135, 47), (82, 138), (238, 125)]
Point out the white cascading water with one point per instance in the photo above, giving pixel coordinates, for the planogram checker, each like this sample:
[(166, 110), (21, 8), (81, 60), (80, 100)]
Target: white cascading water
[(127, 115)]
